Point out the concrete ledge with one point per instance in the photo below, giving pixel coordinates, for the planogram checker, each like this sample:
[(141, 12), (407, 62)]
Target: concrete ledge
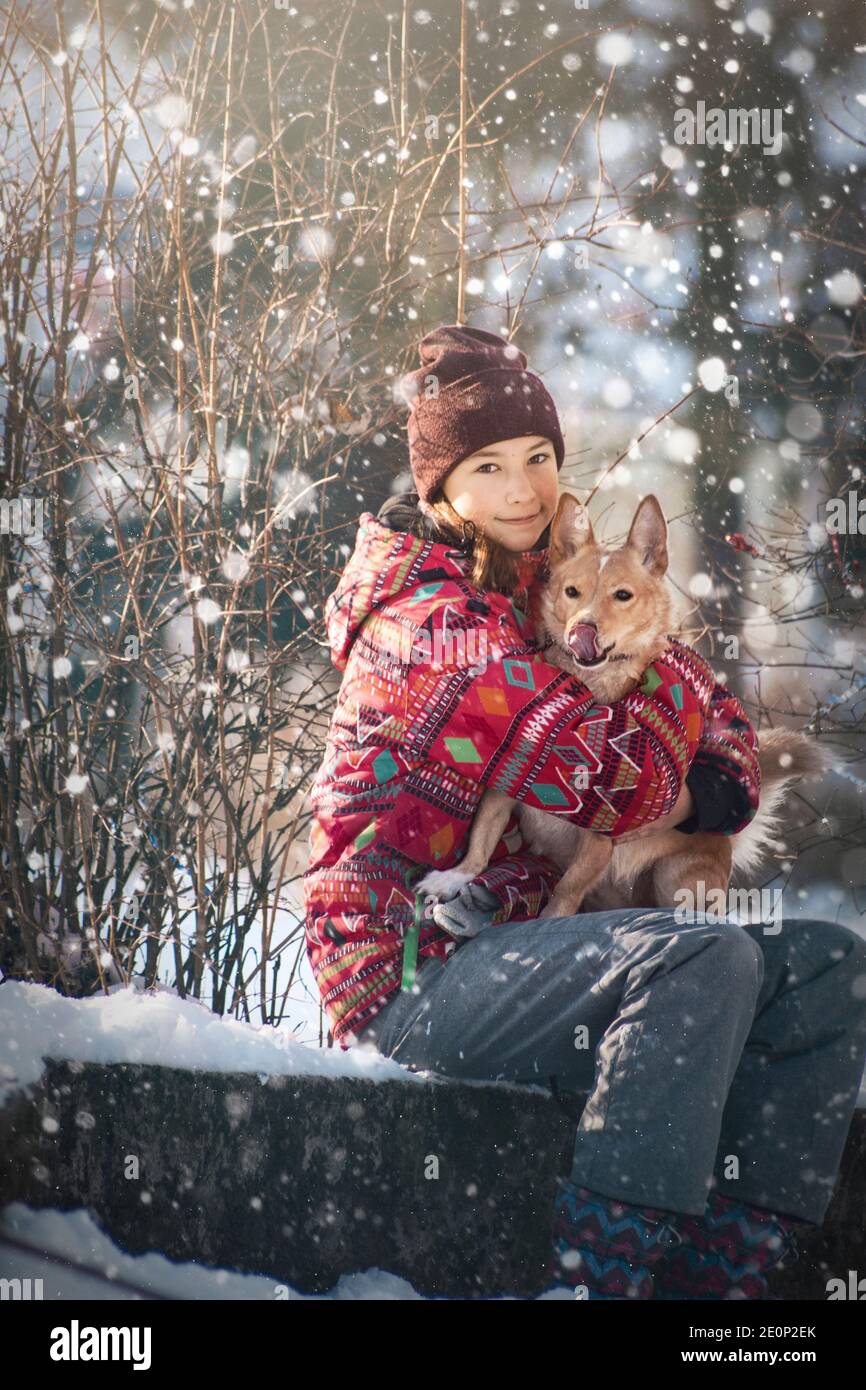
[(448, 1184)]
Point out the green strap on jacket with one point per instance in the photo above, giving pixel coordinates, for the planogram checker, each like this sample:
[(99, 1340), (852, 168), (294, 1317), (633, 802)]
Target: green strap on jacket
[(410, 947)]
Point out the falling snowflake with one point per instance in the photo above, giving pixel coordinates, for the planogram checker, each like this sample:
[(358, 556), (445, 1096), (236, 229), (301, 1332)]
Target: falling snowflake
[(700, 585), (237, 660), (712, 373), (236, 565), (845, 288), (207, 611), (222, 243)]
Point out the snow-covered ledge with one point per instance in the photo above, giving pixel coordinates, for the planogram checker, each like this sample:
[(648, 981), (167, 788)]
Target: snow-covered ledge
[(221, 1142)]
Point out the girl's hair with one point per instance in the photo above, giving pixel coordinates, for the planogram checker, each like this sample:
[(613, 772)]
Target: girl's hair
[(491, 566)]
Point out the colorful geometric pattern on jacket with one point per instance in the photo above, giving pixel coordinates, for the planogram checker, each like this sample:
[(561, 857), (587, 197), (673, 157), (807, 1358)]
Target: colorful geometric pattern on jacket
[(444, 693)]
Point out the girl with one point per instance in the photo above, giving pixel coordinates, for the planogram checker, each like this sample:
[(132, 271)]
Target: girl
[(722, 1065)]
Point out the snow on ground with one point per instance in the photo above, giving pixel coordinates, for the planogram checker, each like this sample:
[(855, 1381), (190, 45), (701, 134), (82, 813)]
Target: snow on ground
[(131, 1025), (76, 1238)]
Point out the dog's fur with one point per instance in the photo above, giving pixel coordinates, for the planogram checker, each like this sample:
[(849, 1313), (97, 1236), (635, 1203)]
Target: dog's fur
[(608, 614)]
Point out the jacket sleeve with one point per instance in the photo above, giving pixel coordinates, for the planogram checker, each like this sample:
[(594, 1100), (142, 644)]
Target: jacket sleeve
[(519, 724), (521, 883), (725, 777)]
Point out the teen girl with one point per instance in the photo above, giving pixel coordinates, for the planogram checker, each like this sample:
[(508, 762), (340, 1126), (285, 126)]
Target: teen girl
[(722, 1065)]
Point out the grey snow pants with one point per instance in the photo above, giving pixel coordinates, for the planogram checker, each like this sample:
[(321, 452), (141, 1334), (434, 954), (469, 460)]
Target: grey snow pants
[(700, 1041)]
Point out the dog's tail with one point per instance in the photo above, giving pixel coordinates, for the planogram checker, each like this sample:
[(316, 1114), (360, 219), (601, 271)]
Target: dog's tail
[(784, 757)]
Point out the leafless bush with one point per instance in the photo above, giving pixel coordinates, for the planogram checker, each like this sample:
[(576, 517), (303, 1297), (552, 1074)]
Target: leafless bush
[(219, 248)]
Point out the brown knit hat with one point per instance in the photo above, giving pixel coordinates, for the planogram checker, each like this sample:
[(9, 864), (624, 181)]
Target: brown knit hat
[(472, 389)]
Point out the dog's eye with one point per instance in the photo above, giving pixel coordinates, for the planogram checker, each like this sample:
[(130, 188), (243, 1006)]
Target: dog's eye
[(571, 592), (623, 595)]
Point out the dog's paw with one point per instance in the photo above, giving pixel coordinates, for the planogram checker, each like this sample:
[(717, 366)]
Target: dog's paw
[(443, 884)]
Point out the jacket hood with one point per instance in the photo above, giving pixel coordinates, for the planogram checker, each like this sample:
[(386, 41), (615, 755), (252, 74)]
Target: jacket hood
[(396, 554)]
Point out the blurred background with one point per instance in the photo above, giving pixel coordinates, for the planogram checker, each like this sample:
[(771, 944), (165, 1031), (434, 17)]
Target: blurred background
[(224, 227)]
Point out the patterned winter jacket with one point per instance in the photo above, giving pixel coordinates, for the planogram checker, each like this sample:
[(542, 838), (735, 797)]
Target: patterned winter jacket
[(445, 693)]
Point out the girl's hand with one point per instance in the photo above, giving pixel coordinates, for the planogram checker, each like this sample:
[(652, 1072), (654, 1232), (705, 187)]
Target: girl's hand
[(682, 809), (468, 913)]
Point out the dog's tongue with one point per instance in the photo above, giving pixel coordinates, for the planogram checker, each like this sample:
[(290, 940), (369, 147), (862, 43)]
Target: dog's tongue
[(583, 641)]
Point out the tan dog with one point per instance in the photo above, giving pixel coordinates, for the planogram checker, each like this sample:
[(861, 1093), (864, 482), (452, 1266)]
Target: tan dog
[(608, 613)]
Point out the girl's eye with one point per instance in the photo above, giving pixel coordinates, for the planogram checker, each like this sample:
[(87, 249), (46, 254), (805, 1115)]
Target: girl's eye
[(571, 592), (623, 595), (542, 456)]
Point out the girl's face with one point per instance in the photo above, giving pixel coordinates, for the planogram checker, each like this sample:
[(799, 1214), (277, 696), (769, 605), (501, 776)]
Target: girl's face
[(510, 489)]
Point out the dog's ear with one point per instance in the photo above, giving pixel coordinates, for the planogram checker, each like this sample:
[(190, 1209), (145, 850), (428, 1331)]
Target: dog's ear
[(571, 528), (648, 535)]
